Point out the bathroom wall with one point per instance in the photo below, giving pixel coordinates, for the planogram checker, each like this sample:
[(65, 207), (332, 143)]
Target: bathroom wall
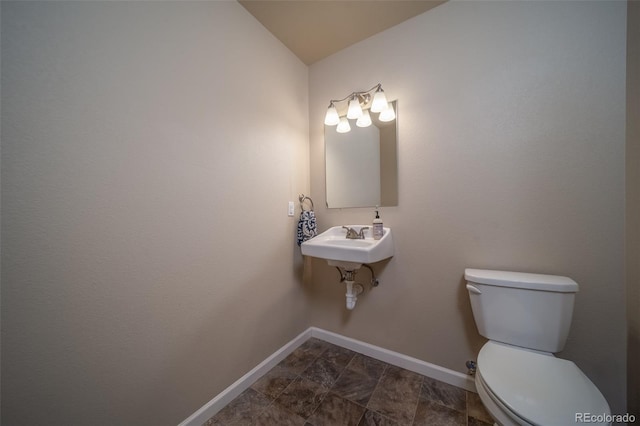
[(511, 156), (633, 205), (148, 153)]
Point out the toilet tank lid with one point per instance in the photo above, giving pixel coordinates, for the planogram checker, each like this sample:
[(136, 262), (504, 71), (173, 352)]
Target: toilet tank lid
[(541, 282)]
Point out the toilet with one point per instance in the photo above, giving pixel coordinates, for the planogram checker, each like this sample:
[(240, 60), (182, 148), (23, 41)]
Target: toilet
[(526, 318)]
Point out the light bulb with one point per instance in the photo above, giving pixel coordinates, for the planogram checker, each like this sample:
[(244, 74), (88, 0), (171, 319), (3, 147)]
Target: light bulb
[(388, 114), (343, 125), (331, 118), (365, 120), (379, 102), (355, 110)]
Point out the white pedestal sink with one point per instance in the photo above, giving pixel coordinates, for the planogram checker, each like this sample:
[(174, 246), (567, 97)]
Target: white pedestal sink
[(349, 254)]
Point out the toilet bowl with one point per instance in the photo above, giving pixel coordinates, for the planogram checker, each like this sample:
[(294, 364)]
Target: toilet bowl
[(521, 387), (526, 318)]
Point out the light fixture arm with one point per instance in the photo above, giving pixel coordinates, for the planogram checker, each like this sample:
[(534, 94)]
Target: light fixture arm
[(363, 97)]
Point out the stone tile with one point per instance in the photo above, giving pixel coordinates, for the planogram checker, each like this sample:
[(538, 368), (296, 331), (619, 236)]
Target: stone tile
[(299, 360), (324, 384), (476, 409), (338, 355), (274, 382), (472, 421), (322, 371), (354, 386), (242, 410), (336, 411), (371, 418), (396, 395), (302, 396), (367, 365), (212, 422), (315, 346), (430, 413), (444, 394), (276, 414), (400, 374)]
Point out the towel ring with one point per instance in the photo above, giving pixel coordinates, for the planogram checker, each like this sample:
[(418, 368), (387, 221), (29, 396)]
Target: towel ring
[(302, 199)]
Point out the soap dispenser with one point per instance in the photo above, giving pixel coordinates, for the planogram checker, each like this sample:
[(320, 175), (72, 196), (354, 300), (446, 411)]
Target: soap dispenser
[(378, 231)]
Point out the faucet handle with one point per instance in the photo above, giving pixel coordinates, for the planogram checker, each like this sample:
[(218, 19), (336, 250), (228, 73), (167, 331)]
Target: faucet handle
[(351, 233), (361, 233)]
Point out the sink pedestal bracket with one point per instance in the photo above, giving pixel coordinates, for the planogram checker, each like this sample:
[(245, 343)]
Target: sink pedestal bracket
[(354, 288)]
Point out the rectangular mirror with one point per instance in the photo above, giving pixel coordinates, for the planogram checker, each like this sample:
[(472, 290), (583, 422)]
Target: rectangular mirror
[(361, 166)]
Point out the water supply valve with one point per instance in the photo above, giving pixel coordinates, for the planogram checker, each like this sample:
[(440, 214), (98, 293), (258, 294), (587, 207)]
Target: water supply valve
[(471, 367)]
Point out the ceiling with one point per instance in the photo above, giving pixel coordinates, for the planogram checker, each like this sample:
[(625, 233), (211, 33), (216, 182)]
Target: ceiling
[(315, 29)]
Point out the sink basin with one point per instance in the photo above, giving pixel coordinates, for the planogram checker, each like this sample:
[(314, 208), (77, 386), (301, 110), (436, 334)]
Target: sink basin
[(334, 246)]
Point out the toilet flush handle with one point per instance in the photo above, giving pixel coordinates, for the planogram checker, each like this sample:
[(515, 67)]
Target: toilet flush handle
[(473, 289)]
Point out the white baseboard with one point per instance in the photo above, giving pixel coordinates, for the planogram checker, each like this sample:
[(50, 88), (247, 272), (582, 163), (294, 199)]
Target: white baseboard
[(226, 396), (394, 358), (399, 360)]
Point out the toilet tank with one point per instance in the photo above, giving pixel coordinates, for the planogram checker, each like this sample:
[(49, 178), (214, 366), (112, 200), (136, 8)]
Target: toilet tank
[(528, 310)]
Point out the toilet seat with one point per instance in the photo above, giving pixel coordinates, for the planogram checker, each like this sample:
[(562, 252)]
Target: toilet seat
[(536, 388), (501, 414)]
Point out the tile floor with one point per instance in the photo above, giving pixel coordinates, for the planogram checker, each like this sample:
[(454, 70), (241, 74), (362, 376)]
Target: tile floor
[(321, 384)]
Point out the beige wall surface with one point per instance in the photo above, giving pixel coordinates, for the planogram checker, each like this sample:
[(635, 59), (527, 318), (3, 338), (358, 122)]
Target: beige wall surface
[(633, 204), (149, 150), (148, 153), (511, 156)]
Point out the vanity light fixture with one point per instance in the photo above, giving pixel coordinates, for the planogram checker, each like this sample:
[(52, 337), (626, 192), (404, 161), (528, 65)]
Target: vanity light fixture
[(355, 110), (379, 103), (343, 125), (387, 114), (360, 103), (364, 120), (332, 118)]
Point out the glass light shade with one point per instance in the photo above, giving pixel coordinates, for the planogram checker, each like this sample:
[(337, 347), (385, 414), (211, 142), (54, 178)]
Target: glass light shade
[(343, 126), (355, 110), (379, 102), (388, 114), (331, 118), (365, 120)]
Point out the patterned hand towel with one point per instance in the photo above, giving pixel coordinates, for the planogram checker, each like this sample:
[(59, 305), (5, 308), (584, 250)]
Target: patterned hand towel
[(307, 227)]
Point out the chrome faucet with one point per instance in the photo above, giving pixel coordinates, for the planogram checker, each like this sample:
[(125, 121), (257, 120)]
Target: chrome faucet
[(352, 234)]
